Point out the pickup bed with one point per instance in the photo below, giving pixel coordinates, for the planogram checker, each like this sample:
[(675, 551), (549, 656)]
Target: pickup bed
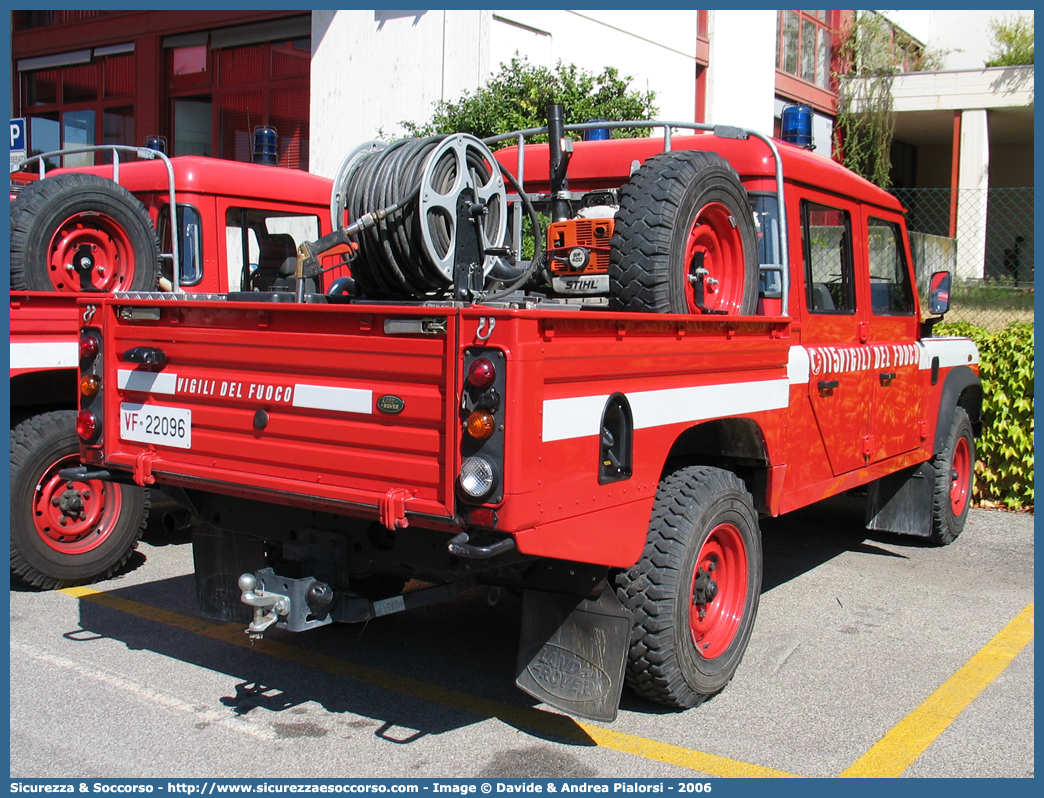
[(610, 462), (364, 416)]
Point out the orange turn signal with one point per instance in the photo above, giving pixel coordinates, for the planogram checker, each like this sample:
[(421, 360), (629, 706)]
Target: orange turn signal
[(89, 385), (480, 424)]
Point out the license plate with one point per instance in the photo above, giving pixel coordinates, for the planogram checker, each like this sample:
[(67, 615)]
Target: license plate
[(167, 426)]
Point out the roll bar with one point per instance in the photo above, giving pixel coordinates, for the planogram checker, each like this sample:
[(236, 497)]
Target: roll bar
[(721, 131), (145, 154)]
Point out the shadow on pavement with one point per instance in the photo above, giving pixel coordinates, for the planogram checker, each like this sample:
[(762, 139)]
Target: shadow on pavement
[(458, 657)]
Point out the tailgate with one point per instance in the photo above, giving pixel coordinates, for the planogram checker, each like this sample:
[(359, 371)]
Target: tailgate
[(345, 404)]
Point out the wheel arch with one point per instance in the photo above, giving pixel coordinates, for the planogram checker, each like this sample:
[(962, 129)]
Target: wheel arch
[(732, 444), (962, 388), (35, 392)]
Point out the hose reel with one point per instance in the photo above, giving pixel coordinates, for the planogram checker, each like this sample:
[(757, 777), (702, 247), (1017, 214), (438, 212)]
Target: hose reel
[(440, 216)]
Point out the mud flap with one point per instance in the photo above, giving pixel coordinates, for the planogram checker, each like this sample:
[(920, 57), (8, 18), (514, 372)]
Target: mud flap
[(902, 502), (572, 652), (220, 558)]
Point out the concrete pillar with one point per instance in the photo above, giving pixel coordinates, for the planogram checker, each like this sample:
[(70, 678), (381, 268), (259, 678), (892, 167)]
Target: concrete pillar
[(741, 76), (973, 181)]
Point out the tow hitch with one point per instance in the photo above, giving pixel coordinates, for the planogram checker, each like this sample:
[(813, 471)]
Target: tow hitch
[(300, 604), (296, 604)]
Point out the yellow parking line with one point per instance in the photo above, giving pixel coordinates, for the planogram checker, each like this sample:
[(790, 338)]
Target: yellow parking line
[(544, 722), (901, 746)]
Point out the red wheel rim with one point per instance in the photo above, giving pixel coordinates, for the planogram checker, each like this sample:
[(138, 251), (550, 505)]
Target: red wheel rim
[(719, 591), (96, 244), (715, 234), (960, 472), (74, 517)]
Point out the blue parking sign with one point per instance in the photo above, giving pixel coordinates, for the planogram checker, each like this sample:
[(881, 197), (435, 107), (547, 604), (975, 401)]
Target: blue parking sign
[(18, 134)]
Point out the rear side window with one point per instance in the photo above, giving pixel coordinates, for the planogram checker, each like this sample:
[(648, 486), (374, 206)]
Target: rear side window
[(890, 291), (190, 244), (766, 222), (829, 275)]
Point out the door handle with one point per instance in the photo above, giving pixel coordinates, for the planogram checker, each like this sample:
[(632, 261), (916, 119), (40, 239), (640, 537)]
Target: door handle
[(151, 357), (826, 387), (887, 377)]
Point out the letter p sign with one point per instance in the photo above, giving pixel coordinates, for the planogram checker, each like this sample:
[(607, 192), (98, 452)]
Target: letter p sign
[(18, 134)]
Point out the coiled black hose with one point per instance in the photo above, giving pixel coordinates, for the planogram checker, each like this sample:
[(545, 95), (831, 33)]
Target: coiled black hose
[(393, 261)]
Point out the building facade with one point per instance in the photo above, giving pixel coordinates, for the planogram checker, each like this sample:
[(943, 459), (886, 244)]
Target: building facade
[(201, 80), (331, 80)]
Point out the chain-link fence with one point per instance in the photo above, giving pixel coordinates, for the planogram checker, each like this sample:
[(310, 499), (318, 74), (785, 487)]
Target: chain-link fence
[(985, 238)]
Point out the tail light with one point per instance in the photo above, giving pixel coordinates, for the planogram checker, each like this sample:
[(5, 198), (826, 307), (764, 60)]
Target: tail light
[(88, 347), (89, 385), (477, 478), (482, 422), (481, 373), (87, 426), (89, 419)]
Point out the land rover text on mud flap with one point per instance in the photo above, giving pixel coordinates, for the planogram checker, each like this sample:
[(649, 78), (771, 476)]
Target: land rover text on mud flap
[(462, 416)]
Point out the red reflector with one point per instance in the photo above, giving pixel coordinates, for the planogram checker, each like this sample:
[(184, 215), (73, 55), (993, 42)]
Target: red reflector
[(482, 516), (481, 373), (87, 426), (88, 347)]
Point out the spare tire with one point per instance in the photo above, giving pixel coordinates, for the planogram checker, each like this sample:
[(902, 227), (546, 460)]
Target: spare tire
[(680, 209), (78, 232)]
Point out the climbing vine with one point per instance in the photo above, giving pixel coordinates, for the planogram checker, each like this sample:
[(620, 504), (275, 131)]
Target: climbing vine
[(870, 52)]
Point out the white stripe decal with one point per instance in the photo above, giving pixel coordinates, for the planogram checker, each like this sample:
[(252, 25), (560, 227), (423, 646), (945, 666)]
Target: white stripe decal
[(950, 351), (798, 366), (146, 381), (580, 417), (576, 417), (45, 355), (325, 397)]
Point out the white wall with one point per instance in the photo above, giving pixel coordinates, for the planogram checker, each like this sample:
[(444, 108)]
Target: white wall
[(968, 31), (965, 33), (656, 48), (741, 78), (374, 69)]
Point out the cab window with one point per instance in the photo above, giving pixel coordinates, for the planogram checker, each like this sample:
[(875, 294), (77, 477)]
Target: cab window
[(829, 275), (890, 291), (261, 244)]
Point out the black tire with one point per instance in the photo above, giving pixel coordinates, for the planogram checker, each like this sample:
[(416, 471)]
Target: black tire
[(78, 218), (656, 236), (677, 657), (49, 555), (954, 479)]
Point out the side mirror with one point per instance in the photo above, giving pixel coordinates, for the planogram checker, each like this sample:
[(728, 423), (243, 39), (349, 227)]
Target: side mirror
[(939, 296)]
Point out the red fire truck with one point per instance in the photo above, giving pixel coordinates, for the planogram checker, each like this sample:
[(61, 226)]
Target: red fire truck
[(720, 326), (91, 231)]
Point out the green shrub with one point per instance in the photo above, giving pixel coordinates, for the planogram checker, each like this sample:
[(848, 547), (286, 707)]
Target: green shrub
[(517, 97), (1004, 471), (1012, 42)]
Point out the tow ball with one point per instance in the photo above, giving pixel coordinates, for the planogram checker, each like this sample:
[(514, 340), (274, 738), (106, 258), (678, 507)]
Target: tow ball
[(293, 604)]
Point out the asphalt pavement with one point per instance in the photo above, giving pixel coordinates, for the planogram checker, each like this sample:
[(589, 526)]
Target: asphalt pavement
[(862, 645)]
